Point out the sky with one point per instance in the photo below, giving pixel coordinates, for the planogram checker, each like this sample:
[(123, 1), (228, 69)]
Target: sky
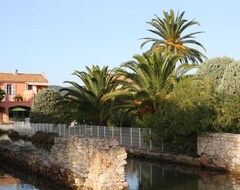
[(57, 37)]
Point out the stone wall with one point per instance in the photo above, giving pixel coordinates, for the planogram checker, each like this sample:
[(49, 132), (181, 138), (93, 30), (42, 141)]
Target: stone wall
[(96, 163), (220, 151), (74, 162)]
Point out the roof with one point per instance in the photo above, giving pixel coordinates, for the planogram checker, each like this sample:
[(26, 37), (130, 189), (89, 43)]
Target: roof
[(21, 77)]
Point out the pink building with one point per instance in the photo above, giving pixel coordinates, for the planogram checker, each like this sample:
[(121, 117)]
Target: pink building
[(20, 90)]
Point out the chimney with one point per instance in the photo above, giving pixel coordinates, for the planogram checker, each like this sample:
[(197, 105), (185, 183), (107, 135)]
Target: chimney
[(16, 72), (44, 74)]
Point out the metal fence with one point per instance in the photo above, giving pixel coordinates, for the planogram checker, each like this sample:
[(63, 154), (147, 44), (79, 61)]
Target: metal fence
[(130, 137)]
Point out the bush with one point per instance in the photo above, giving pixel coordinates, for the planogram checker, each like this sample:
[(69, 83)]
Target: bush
[(230, 82), (228, 113), (44, 109), (43, 140), (2, 94), (179, 119), (14, 135), (214, 68)]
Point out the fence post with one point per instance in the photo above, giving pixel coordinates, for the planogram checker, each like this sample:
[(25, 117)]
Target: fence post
[(104, 131), (91, 130), (120, 135), (139, 137), (112, 131), (162, 144), (79, 132), (131, 135), (85, 129), (98, 131), (59, 129), (150, 137)]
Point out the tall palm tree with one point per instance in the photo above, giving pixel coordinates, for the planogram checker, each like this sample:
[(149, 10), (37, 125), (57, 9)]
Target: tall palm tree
[(86, 103), (171, 39), (151, 77)]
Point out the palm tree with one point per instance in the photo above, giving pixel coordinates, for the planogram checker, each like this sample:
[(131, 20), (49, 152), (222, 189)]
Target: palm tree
[(86, 103), (150, 78), (170, 29)]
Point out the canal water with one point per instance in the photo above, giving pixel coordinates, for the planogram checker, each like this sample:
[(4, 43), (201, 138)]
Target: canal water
[(140, 175)]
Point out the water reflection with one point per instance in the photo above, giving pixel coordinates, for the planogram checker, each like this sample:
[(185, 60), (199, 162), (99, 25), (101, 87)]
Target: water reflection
[(142, 175), (12, 179)]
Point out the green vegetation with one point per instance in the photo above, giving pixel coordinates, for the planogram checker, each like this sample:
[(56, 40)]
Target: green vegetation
[(18, 98), (154, 90), (172, 39), (2, 94), (43, 140), (87, 103), (230, 82), (44, 108)]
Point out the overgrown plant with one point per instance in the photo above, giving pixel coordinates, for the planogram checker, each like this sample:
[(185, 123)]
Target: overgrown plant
[(182, 117)]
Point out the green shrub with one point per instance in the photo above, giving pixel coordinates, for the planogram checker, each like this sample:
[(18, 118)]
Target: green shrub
[(230, 82), (44, 109), (228, 113), (214, 68), (179, 119), (2, 94), (43, 140)]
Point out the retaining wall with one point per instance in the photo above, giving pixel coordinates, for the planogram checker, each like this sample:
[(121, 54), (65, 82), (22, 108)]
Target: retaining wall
[(220, 151), (97, 163), (78, 163)]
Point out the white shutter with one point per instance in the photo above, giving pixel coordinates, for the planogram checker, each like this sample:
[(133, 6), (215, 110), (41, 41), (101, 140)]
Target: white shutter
[(5, 88), (13, 89)]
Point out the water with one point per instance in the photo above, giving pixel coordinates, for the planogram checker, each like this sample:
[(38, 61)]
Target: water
[(145, 175), (12, 179), (140, 175)]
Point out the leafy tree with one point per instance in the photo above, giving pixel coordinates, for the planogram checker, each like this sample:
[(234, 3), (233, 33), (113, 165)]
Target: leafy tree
[(2, 94), (230, 82), (171, 39), (228, 113), (214, 69), (87, 103), (150, 78), (179, 119), (44, 108)]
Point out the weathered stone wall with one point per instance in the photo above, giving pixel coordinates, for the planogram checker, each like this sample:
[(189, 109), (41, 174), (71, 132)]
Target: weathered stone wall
[(96, 163), (220, 151), (74, 162)]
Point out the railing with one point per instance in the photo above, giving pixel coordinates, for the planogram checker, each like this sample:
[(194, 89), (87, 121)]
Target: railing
[(131, 137)]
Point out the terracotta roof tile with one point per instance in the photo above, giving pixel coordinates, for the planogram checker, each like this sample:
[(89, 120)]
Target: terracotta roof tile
[(21, 77)]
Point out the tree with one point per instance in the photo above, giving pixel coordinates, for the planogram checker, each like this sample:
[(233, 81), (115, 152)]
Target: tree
[(179, 119), (87, 103), (224, 72), (214, 68), (230, 82), (2, 94), (150, 78), (171, 39), (44, 108)]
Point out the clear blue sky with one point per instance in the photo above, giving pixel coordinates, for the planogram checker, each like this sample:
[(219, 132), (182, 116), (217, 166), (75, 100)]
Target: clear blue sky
[(60, 36)]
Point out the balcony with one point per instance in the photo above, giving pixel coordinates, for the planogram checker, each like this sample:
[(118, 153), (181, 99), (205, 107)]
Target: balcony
[(27, 96)]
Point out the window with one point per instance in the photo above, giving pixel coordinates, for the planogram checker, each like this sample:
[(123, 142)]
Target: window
[(10, 89)]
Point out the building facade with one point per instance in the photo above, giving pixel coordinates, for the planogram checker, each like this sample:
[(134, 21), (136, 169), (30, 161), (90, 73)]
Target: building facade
[(20, 89)]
